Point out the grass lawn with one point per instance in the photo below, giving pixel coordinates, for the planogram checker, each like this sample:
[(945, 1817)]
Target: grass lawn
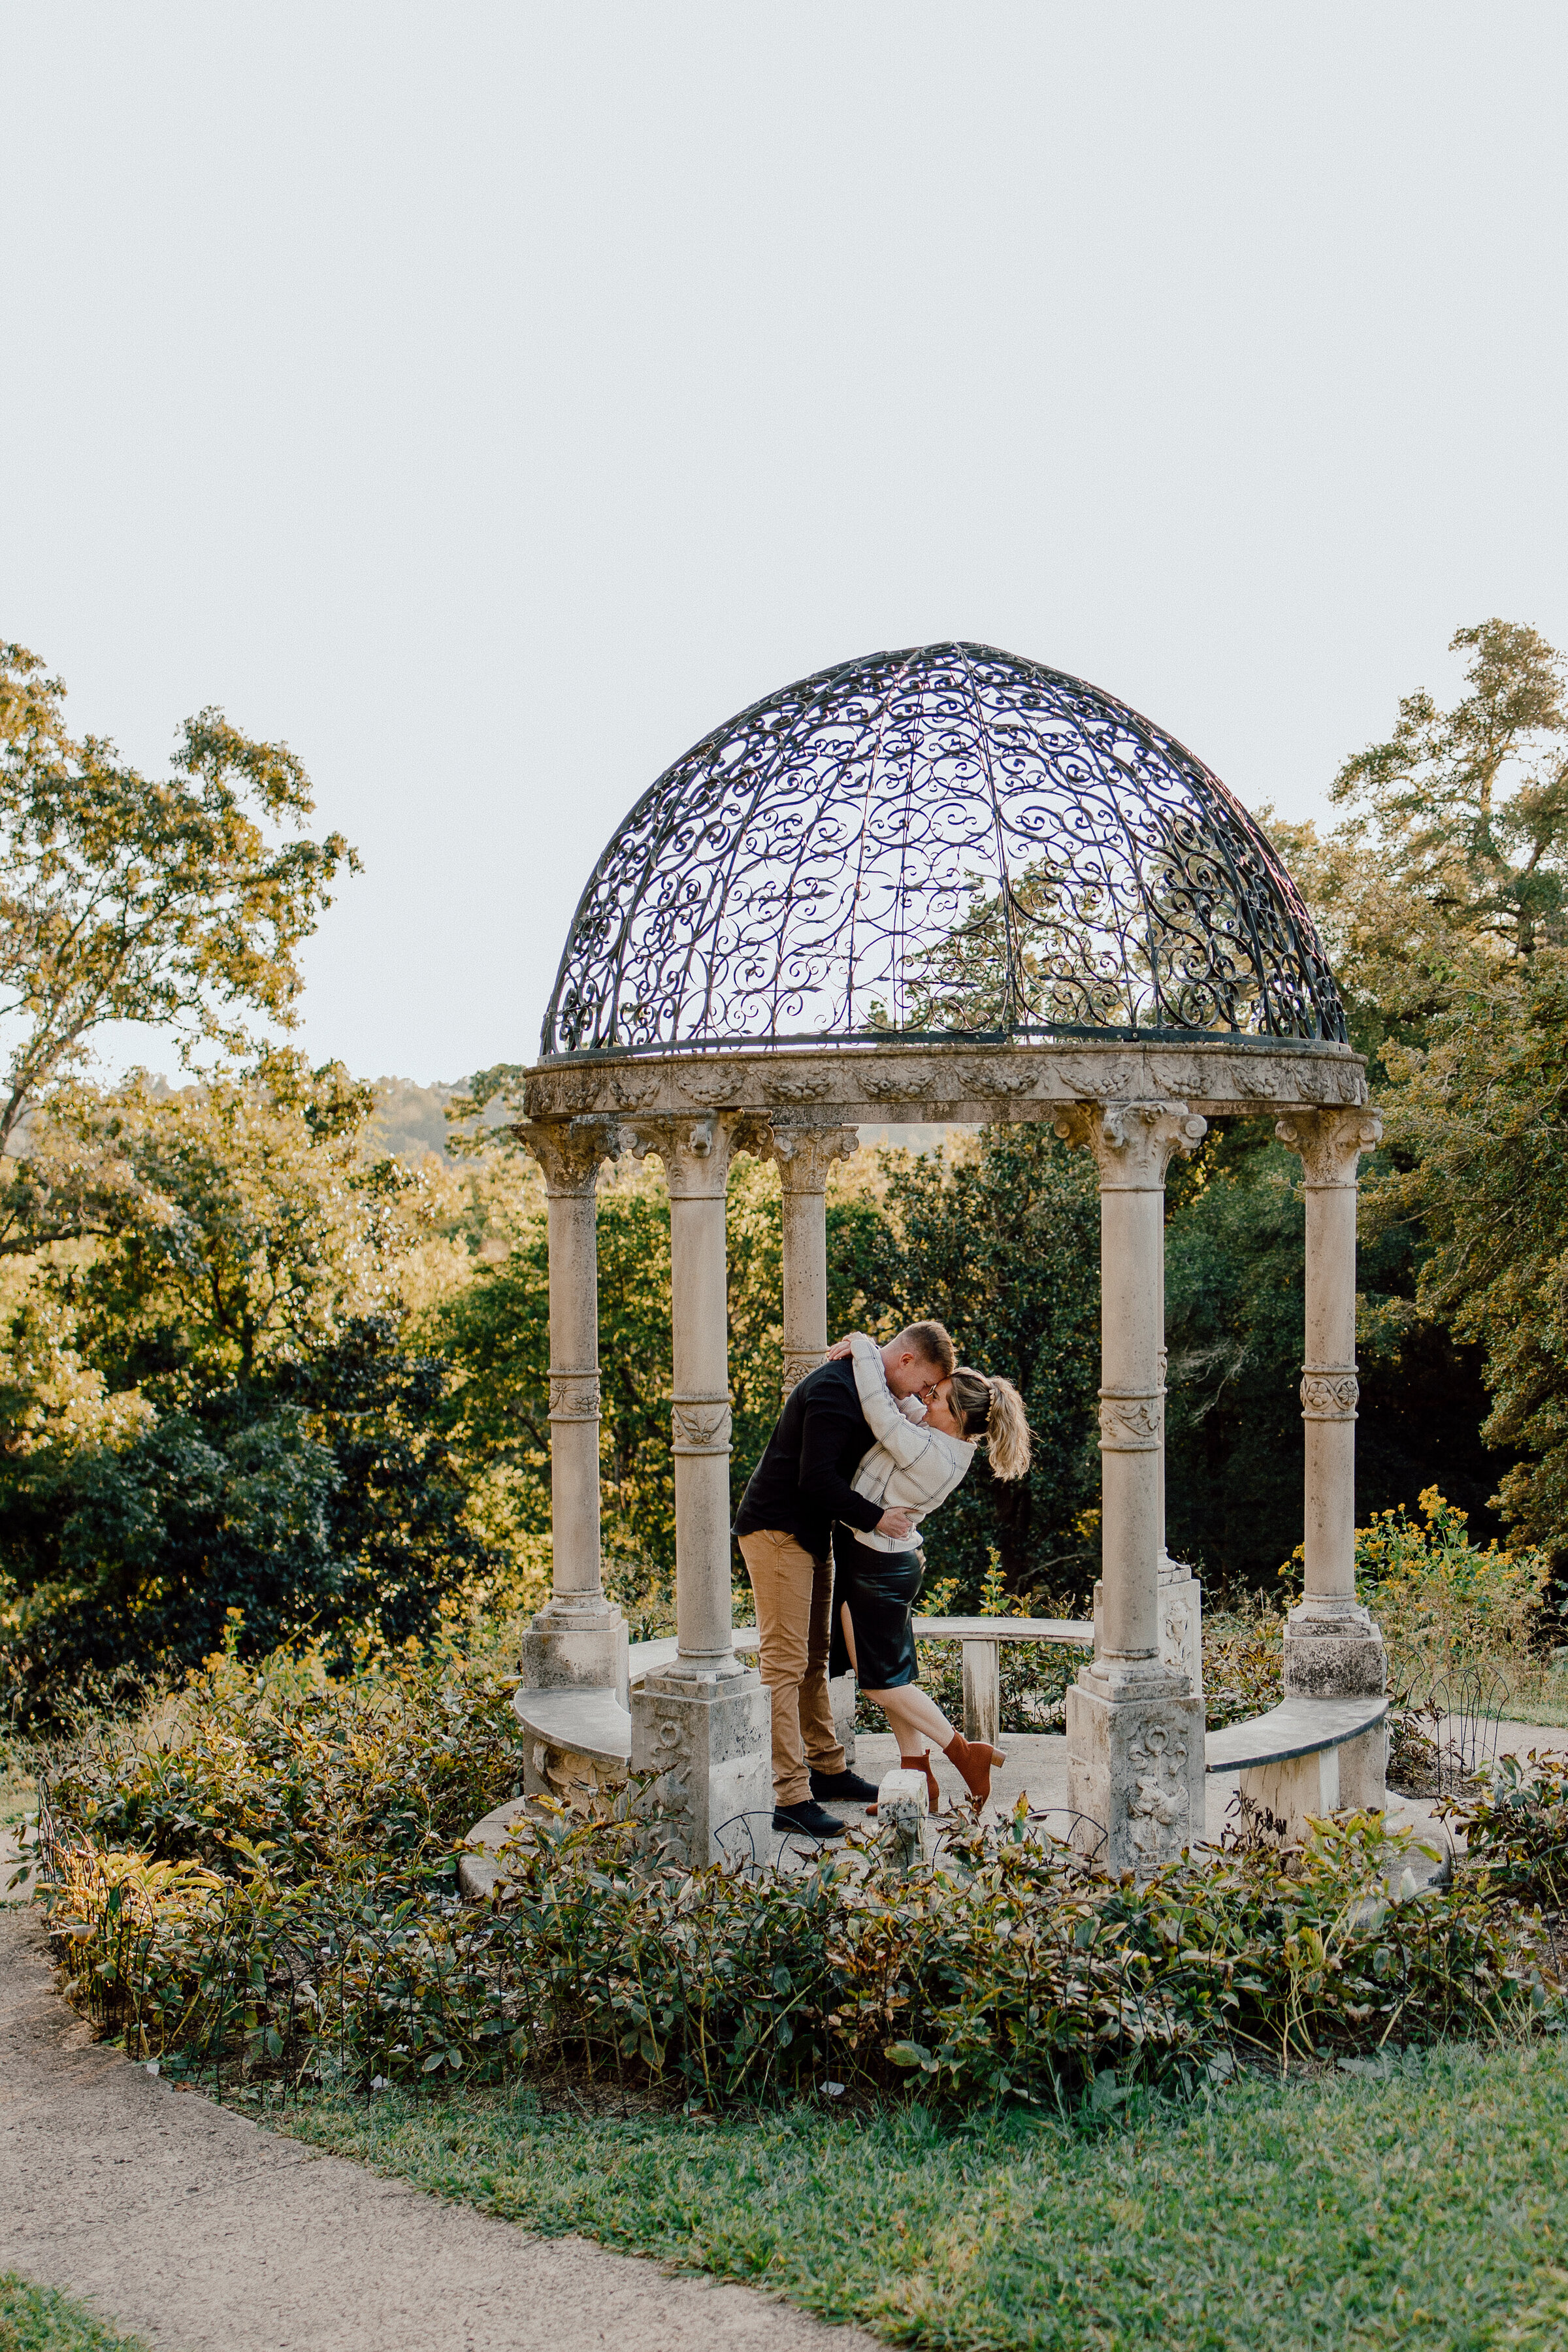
[(36, 2319), (18, 1796), (1426, 2208)]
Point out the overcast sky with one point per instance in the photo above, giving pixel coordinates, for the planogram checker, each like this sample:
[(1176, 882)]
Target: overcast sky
[(489, 401)]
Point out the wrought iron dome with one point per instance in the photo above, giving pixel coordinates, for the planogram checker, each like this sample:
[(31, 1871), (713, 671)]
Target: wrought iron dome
[(949, 842)]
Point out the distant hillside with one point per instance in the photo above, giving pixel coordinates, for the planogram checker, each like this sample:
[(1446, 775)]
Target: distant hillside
[(409, 1121)]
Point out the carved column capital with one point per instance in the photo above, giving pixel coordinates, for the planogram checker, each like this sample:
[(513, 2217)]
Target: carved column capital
[(696, 1152), (1330, 1142), (1134, 1143), (570, 1150), (804, 1154)]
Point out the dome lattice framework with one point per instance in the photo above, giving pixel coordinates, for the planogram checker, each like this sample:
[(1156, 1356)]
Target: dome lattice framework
[(949, 842)]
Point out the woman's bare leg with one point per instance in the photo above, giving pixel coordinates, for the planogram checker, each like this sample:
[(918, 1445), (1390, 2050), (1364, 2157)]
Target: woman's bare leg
[(911, 1716), (914, 1717)]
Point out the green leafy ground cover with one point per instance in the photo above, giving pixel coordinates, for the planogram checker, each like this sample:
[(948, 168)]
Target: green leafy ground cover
[(1424, 2209), (38, 2320)]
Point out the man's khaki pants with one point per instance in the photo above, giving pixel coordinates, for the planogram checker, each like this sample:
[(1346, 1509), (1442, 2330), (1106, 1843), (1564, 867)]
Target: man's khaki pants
[(793, 1594)]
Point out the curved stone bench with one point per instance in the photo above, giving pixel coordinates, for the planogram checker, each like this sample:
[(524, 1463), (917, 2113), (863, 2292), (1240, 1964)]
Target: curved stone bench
[(581, 1743), (580, 1740), (1305, 1758)]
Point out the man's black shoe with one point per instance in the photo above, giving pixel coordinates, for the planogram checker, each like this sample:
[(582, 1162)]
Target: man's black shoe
[(806, 1820), (846, 1788)]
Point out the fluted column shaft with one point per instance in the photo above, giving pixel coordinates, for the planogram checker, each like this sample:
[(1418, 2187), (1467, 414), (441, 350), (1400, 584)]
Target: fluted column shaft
[(1133, 1144), (1331, 1648), (578, 1637), (804, 1155), (1134, 1725), (696, 1154)]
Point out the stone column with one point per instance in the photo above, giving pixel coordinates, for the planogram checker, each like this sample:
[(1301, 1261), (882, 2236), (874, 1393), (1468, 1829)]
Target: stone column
[(804, 1155), (1135, 1731), (703, 1724), (1332, 1647), (578, 1638)]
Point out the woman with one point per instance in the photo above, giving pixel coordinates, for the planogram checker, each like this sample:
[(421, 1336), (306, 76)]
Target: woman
[(913, 1467)]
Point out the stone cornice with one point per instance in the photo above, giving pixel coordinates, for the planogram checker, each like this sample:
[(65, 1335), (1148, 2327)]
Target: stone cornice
[(878, 1084)]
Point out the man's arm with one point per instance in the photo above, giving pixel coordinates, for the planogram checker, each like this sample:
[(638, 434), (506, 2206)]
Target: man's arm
[(827, 1426), (907, 1441)]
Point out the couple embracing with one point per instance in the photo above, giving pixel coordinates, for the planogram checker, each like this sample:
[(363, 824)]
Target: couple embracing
[(866, 1446)]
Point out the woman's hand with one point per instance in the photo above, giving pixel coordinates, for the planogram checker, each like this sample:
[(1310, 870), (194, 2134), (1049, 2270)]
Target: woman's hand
[(836, 1353)]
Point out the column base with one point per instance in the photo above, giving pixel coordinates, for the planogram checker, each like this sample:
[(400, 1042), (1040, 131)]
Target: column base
[(1333, 1650), (576, 1644), (1135, 1764), (710, 1743)]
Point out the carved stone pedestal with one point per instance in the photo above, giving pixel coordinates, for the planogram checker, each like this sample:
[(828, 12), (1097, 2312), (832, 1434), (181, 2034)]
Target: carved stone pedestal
[(1135, 1765), (576, 1641), (710, 1739), (1333, 1650), (1182, 1622), (903, 1819)]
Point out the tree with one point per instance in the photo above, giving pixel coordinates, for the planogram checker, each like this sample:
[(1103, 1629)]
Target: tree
[(237, 1219), (212, 1405), (1002, 1245), (1479, 1121), (124, 899), (1449, 868), (1235, 1270)]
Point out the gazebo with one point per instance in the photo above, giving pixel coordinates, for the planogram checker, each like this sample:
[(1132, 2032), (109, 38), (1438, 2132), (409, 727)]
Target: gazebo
[(945, 884)]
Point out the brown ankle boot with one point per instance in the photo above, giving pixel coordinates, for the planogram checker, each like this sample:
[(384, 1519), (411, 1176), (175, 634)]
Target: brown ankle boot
[(975, 1760)]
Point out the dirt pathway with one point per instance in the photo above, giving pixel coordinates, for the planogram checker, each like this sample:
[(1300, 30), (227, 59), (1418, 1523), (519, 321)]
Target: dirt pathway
[(180, 2221)]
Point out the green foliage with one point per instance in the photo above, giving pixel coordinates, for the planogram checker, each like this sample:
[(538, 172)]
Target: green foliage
[(1481, 1123), (1244, 1661), (123, 899), (1234, 1254), (1003, 1247), (262, 1883), (41, 2319), (213, 1408), (1441, 1601)]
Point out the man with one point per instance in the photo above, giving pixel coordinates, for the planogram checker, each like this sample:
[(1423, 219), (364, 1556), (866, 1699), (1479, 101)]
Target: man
[(784, 1527)]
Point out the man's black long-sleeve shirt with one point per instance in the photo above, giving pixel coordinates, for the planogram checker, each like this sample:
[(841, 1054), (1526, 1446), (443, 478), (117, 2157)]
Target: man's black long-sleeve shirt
[(802, 1482)]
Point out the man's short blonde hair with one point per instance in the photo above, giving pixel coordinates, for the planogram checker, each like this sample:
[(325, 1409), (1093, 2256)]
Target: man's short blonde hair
[(931, 1342)]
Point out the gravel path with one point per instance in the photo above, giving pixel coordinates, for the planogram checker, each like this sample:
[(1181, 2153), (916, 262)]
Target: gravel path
[(180, 2221)]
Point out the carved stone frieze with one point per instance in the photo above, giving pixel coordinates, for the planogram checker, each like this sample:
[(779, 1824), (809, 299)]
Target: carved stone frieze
[(1330, 1142), (960, 1080), (1159, 1806), (700, 1425), (1134, 1143), (1130, 1422), (1329, 1392), (574, 1396)]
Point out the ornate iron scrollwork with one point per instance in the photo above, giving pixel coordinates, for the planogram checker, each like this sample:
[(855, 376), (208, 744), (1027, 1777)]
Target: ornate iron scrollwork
[(947, 842)]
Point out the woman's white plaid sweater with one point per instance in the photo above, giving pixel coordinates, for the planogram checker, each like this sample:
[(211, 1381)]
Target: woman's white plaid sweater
[(912, 1467)]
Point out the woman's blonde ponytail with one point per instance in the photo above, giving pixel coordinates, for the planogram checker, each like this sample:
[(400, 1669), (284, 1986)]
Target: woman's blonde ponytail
[(994, 1410), (1007, 1432)]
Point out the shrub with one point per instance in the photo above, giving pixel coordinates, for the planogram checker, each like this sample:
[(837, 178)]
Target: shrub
[(262, 1881)]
